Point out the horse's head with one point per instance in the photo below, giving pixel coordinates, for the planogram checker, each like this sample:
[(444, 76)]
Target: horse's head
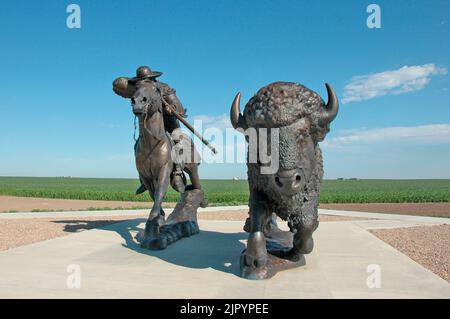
[(146, 101)]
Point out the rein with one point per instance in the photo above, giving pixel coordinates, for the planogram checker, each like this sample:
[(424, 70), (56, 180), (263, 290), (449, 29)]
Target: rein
[(145, 119), (148, 131), (135, 126)]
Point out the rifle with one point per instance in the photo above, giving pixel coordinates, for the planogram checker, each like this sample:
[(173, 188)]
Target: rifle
[(189, 126)]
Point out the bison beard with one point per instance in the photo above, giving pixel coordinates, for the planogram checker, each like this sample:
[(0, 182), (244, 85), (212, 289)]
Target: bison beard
[(301, 208)]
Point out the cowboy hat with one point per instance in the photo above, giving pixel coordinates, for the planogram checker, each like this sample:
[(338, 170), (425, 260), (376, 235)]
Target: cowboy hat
[(144, 72)]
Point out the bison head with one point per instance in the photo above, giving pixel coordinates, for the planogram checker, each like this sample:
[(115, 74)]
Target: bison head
[(301, 119)]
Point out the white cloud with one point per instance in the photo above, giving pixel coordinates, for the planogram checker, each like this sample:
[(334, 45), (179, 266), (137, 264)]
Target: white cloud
[(220, 122), (403, 80), (422, 134)]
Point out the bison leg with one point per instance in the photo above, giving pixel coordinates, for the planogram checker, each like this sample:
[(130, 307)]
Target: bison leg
[(271, 226), (255, 256), (303, 241)]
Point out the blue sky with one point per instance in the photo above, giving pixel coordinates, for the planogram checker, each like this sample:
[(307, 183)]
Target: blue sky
[(59, 115)]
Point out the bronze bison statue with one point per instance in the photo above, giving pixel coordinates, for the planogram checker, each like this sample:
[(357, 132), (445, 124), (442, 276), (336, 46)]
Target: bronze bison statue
[(301, 119)]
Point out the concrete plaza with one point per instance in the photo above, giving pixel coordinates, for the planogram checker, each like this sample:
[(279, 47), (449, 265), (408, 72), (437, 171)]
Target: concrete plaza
[(112, 265)]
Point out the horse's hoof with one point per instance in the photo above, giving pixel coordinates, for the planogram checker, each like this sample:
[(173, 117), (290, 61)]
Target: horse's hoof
[(189, 229), (204, 203), (151, 231), (158, 243), (153, 243)]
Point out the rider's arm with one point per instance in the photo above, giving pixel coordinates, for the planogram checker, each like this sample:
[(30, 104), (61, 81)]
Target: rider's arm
[(170, 97), (122, 87)]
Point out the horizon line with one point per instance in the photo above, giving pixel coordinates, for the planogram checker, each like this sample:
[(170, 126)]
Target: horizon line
[(231, 178)]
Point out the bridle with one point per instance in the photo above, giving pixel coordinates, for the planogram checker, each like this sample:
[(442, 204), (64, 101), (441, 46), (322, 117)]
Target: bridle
[(135, 127), (145, 113)]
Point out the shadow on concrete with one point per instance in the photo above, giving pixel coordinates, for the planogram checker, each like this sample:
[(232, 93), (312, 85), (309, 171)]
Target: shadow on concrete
[(74, 225), (209, 249)]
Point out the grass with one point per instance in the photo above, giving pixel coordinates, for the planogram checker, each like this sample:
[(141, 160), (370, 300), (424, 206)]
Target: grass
[(218, 191), (38, 210), (228, 192), (386, 191)]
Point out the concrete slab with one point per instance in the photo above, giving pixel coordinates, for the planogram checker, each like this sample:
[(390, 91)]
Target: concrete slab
[(387, 224), (86, 213), (205, 266), (408, 218), (116, 212)]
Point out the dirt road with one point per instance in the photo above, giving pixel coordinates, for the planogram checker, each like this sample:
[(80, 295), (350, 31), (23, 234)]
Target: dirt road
[(28, 204)]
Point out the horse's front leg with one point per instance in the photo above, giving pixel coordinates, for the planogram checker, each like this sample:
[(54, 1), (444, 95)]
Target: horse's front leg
[(156, 217)]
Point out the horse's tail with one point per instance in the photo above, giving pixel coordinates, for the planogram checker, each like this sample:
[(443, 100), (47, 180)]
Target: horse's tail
[(141, 189)]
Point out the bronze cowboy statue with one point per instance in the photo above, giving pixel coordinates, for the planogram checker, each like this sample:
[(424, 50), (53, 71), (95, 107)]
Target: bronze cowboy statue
[(127, 87), (162, 154)]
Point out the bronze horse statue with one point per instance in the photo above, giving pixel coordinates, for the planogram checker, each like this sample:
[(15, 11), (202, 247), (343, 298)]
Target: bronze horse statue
[(155, 153)]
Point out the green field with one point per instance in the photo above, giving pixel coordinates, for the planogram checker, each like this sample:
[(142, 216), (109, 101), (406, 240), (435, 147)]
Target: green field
[(228, 192)]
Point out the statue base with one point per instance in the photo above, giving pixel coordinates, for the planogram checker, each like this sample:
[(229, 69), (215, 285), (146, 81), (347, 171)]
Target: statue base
[(181, 223), (278, 244)]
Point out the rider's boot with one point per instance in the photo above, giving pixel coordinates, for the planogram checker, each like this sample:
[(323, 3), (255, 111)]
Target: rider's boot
[(178, 180)]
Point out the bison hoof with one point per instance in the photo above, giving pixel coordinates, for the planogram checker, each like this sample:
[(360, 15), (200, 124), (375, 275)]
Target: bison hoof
[(247, 226), (307, 246), (254, 257), (291, 255), (252, 267), (250, 261)]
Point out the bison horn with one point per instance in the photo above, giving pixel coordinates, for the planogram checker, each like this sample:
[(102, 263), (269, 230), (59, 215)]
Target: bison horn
[(332, 107), (236, 118)]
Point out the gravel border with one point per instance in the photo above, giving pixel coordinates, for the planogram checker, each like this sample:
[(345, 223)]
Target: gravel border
[(19, 232), (427, 245), (415, 209)]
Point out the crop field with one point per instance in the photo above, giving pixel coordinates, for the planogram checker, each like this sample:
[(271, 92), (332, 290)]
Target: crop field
[(385, 191), (223, 192), (228, 192)]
